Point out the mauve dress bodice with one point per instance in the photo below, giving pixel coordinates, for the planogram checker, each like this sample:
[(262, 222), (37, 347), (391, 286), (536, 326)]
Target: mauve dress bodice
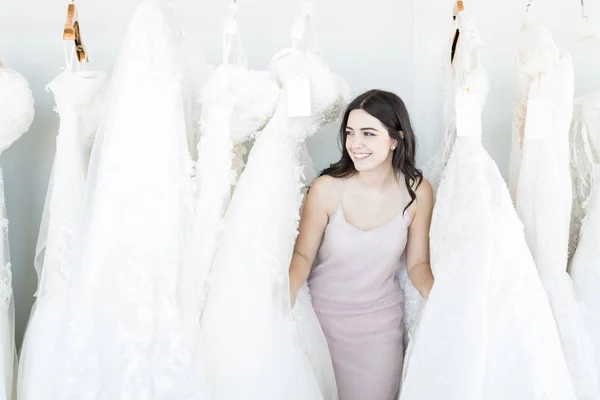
[(359, 303)]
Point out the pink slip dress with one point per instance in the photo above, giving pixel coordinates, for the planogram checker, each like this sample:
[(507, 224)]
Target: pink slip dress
[(358, 300)]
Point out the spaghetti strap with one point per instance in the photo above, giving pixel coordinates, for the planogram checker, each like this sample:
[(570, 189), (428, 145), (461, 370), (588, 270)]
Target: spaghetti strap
[(344, 180)]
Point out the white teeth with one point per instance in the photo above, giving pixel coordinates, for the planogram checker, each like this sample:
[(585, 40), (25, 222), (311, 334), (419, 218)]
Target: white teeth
[(360, 156)]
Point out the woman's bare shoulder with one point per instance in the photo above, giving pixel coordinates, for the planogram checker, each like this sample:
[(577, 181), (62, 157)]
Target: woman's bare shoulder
[(423, 190), (326, 191)]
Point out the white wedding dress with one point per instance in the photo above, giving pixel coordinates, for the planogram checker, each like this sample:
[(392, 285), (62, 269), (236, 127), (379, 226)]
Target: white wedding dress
[(236, 103), (433, 172), (79, 98), (253, 349), (486, 331), (584, 142), (121, 336), (585, 264), (542, 189), (16, 116)]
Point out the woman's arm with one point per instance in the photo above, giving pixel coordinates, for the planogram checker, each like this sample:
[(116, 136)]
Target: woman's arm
[(417, 248), (312, 226)]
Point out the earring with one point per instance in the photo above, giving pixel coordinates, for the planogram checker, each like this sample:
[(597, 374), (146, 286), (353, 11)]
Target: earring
[(393, 147)]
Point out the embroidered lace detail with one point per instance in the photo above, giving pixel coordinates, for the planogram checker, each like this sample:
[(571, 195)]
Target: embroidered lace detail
[(585, 220)]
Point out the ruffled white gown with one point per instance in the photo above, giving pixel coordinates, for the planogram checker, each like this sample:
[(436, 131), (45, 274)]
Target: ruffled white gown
[(487, 330), (541, 187), (585, 264), (121, 336), (16, 116), (236, 104), (252, 348), (79, 98)]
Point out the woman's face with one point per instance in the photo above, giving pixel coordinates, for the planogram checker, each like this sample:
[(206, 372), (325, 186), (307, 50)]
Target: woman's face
[(368, 141)]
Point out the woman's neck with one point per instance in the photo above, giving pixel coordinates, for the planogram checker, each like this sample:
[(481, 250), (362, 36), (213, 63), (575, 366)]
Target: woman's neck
[(377, 179)]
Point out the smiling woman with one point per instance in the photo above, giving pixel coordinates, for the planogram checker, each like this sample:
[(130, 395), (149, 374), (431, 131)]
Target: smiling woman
[(361, 215), (368, 146)]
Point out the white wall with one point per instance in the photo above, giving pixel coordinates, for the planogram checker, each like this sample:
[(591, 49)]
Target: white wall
[(390, 44)]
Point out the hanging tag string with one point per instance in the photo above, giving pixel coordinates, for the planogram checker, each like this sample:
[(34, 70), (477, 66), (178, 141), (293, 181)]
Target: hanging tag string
[(230, 28), (69, 56), (303, 24), (231, 34)]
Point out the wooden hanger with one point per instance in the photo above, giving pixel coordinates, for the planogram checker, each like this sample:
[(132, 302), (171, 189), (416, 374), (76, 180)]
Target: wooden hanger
[(71, 32), (458, 7)]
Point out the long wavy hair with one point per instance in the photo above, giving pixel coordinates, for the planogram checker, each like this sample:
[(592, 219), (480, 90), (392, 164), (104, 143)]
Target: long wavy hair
[(391, 111)]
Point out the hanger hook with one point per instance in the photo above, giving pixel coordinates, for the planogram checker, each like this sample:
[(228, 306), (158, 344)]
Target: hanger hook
[(528, 5), (583, 13)]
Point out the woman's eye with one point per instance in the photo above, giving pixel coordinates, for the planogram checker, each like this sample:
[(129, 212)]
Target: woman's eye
[(369, 134), (348, 133)]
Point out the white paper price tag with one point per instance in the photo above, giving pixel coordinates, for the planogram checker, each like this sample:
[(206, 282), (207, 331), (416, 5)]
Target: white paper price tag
[(539, 119), (468, 115), (297, 92)]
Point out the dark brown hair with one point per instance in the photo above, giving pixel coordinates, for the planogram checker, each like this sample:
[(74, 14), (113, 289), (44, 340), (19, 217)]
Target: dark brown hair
[(390, 110)]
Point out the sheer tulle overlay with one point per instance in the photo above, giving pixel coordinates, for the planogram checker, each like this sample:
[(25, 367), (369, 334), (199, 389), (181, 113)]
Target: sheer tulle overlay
[(79, 98), (121, 335)]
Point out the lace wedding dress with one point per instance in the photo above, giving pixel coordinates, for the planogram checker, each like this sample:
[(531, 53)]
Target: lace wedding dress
[(583, 139), (121, 335), (236, 103), (16, 115), (252, 349), (486, 331), (542, 188), (79, 97), (433, 172), (585, 264)]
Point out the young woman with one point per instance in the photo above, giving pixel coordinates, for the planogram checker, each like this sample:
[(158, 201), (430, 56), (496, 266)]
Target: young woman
[(361, 215)]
